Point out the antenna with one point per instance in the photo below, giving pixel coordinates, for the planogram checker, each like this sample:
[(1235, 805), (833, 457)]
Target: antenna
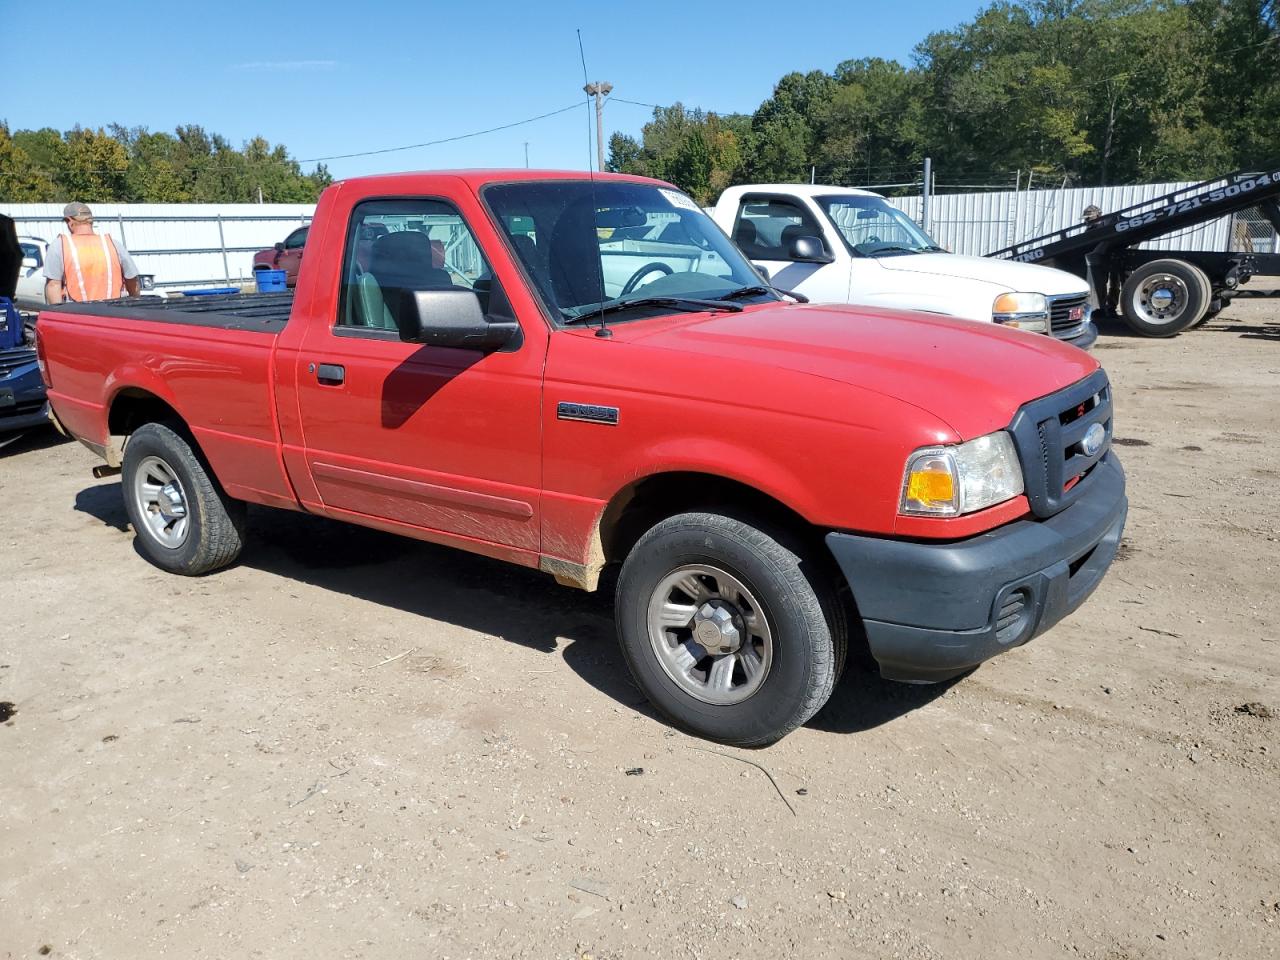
[(604, 330)]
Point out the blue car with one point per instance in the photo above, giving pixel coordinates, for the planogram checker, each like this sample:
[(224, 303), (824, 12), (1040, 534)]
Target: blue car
[(23, 403)]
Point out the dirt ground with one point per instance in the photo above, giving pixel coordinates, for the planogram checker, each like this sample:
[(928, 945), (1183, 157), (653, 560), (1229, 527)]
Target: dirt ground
[(354, 745)]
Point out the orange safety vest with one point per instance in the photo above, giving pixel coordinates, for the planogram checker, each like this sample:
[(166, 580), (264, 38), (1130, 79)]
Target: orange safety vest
[(90, 267)]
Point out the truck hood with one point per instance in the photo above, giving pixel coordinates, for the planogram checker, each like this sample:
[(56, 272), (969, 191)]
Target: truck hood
[(973, 377), (1009, 276)]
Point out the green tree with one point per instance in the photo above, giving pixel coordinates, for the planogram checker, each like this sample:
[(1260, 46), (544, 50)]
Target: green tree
[(21, 179), (94, 165), (625, 155)]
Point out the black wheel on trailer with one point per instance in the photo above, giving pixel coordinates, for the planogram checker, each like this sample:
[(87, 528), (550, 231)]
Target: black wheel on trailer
[(1164, 297)]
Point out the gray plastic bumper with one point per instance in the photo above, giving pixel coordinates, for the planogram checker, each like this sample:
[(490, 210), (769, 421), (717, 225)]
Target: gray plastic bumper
[(934, 610)]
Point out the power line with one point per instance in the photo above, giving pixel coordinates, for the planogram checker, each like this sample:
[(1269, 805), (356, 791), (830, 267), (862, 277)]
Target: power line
[(432, 143)]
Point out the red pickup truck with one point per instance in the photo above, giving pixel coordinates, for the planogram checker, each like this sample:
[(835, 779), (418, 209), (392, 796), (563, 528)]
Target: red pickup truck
[(285, 255), (513, 367)]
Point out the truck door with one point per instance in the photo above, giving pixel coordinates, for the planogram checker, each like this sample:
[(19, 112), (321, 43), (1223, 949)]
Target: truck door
[(440, 440), (766, 229)]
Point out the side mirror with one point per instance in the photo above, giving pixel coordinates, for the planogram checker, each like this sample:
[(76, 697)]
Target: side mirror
[(280, 246), (453, 318), (809, 250)]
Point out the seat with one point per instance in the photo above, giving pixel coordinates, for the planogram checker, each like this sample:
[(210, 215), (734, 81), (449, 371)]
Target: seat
[(399, 265), (526, 248), (748, 240), (574, 257), (790, 234), (370, 309)]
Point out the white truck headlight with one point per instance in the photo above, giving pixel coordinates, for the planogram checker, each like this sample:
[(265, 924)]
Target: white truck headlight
[(950, 481), (1024, 311)]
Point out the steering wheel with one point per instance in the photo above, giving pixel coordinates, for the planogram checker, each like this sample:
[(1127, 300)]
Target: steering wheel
[(648, 268), (872, 240)]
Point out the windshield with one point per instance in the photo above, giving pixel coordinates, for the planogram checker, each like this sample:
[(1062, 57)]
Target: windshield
[(870, 227), (587, 245)]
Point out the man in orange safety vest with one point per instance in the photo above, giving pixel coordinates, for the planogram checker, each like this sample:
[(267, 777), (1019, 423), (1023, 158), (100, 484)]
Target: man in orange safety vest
[(82, 265)]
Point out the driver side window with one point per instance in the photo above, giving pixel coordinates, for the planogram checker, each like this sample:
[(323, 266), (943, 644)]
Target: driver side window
[(396, 248), (767, 226)]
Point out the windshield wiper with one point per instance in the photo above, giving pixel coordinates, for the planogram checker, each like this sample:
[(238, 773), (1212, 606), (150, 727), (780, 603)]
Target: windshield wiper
[(677, 303), (758, 289)]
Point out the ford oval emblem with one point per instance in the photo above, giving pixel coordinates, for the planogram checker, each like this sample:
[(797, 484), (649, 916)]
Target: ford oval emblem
[(1093, 440)]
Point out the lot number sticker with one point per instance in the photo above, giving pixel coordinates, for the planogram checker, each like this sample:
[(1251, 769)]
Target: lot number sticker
[(679, 200)]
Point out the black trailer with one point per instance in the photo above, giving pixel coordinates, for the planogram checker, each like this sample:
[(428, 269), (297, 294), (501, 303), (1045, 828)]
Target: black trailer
[(1163, 292)]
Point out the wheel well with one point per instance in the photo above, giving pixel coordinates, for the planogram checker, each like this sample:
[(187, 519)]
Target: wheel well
[(131, 408), (651, 500)]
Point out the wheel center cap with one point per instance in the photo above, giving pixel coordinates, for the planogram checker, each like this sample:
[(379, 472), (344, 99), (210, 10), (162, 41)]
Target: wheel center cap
[(715, 630), (172, 505), (1162, 299)]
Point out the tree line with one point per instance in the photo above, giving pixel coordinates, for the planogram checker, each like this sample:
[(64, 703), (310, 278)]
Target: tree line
[(1083, 91), (136, 165)]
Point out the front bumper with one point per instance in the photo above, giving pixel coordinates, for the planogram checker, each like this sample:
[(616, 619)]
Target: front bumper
[(935, 610), (1086, 337)]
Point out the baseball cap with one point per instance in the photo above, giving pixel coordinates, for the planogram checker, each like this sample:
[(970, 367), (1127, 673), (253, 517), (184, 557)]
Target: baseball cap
[(76, 211)]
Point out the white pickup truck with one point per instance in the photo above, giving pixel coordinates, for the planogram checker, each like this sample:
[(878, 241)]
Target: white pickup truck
[(841, 245)]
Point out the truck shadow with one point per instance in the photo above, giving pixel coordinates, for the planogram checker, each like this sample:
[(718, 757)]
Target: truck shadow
[(497, 599), (1263, 331), (37, 438)]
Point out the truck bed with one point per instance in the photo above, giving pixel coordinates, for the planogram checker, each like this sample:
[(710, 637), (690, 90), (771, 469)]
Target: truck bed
[(252, 312)]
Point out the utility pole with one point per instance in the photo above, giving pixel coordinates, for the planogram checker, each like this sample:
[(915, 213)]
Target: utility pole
[(924, 196), (526, 154), (599, 90)]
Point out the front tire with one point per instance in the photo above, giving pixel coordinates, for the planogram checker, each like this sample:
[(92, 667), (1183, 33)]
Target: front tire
[(732, 630), (183, 521)]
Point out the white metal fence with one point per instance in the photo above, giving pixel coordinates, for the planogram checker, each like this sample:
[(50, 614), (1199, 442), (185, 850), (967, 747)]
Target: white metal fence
[(980, 223), (182, 244)]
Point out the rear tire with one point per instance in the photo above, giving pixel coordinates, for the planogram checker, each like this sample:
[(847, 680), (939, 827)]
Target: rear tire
[(732, 630), (182, 519), (1164, 297)]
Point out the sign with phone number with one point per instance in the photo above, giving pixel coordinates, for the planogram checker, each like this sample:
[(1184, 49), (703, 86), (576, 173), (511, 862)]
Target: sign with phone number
[(1213, 196)]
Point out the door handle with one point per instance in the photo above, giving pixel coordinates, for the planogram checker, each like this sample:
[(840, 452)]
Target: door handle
[(331, 374)]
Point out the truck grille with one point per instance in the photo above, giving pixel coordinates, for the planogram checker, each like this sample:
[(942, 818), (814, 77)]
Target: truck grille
[(1049, 434), (1068, 315), (13, 359)]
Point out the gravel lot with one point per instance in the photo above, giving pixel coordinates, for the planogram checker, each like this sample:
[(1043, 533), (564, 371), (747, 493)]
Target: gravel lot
[(354, 745)]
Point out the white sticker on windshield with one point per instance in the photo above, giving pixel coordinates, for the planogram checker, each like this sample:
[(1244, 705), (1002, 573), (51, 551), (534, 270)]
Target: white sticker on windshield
[(679, 200)]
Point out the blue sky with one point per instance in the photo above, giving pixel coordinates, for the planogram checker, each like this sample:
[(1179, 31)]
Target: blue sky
[(330, 78)]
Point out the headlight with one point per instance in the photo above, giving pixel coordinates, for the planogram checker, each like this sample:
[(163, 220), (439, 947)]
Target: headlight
[(949, 481), (1025, 311)]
